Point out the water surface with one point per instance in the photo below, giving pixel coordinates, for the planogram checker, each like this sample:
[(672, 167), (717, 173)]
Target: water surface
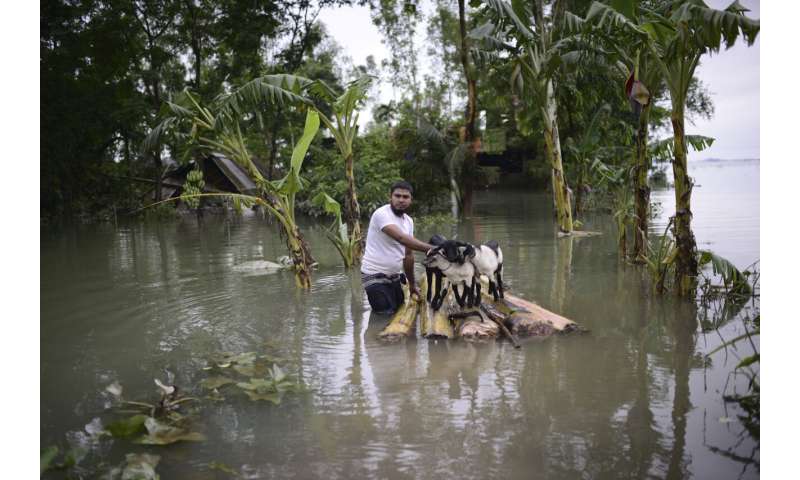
[(634, 398)]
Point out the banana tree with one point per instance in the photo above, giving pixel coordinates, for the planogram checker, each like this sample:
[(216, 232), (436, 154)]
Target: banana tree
[(337, 232), (644, 81), (677, 35), (585, 150), (537, 58), (337, 112), (221, 133)]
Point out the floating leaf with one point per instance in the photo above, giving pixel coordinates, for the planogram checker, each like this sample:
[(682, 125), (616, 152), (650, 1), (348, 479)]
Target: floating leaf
[(95, 428), (212, 383), (243, 358), (140, 467), (273, 397), (223, 468), (256, 384), (277, 374), (166, 389), (246, 370), (73, 456), (161, 434), (46, 457), (127, 427), (114, 389)]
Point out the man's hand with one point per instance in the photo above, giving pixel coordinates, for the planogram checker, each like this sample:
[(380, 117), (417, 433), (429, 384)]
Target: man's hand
[(412, 289)]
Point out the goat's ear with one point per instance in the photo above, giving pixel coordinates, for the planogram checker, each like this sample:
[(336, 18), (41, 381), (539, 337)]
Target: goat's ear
[(469, 251)]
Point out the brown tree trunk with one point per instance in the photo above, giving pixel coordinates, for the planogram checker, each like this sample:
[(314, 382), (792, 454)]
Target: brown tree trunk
[(686, 261), (641, 188), (469, 170)]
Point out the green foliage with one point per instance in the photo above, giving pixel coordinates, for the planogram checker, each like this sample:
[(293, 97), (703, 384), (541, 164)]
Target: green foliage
[(337, 233), (663, 150), (660, 259), (378, 166), (265, 380), (734, 281)]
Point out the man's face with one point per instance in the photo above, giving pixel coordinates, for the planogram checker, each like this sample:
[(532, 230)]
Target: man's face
[(401, 200)]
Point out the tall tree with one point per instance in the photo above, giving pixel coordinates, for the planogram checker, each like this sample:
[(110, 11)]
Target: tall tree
[(469, 170), (536, 32), (677, 35)]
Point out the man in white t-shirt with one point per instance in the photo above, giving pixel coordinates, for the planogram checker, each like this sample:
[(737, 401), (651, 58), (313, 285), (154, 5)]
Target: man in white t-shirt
[(388, 254)]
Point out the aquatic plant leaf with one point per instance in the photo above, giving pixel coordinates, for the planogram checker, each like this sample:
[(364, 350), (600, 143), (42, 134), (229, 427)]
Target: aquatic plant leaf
[(277, 374), (243, 358), (212, 383), (246, 370), (115, 389), (223, 468), (159, 433), (747, 361), (166, 389), (127, 427), (95, 428), (256, 384), (140, 467), (269, 397), (46, 457), (73, 456)]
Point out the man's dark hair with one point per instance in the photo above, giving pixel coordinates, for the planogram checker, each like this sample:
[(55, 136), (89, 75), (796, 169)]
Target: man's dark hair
[(403, 185)]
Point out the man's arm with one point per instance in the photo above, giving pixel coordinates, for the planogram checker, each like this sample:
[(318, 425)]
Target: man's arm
[(407, 240), (408, 269)]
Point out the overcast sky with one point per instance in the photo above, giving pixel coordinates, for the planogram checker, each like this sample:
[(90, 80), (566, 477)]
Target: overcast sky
[(732, 77)]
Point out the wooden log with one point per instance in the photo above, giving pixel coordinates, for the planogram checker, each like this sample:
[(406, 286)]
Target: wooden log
[(425, 312), (473, 327), (442, 326), (489, 312), (527, 319), (402, 323), (436, 324)]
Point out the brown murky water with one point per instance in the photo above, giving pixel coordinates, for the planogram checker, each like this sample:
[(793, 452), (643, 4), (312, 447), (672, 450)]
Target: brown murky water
[(635, 398)]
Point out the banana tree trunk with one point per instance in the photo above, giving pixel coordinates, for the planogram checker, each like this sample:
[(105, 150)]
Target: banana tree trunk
[(641, 188), (686, 261), (353, 210), (553, 150), (298, 248), (470, 161)]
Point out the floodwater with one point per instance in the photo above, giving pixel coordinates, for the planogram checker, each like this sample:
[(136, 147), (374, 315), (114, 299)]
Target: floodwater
[(636, 397)]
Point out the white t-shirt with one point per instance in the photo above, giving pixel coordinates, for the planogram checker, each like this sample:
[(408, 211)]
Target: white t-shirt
[(383, 253)]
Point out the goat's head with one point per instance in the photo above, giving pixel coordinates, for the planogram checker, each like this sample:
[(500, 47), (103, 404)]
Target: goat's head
[(437, 240), (452, 251)]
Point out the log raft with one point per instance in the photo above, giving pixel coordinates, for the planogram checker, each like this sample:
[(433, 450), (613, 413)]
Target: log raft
[(512, 317)]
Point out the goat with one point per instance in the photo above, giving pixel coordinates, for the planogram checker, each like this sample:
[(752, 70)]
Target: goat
[(433, 274), (488, 260), (449, 258)]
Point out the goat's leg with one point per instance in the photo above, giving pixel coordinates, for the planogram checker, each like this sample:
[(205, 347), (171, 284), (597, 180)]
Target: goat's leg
[(500, 279), (493, 290), (429, 275), (476, 287), (459, 298)]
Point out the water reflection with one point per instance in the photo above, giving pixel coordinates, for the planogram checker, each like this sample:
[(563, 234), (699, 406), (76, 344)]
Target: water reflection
[(634, 398)]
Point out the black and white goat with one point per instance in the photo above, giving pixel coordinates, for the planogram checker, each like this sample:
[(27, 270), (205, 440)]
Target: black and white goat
[(434, 276), (487, 260), (449, 258)]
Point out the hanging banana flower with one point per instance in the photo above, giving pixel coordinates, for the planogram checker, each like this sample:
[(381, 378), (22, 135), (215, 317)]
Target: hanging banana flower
[(636, 91)]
